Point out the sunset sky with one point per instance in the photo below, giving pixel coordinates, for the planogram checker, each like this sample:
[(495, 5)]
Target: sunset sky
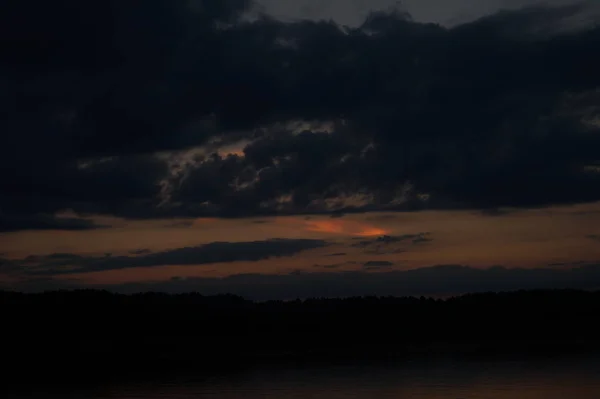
[(297, 148)]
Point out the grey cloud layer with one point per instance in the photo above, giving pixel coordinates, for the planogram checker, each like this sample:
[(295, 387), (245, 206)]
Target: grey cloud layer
[(497, 112)]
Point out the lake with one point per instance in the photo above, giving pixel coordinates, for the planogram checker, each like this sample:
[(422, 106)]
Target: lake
[(572, 378)]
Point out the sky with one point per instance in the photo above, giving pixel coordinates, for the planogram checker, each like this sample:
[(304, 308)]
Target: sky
[(282, 149)]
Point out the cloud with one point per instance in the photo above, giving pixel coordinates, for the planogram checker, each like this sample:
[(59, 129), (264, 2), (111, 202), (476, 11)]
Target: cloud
[(140, 252), (387, 244), (330, 266), (9, 223), (421, 239), (595, 237), (100, 99), (432, 281), (571, 264), (216, 252), (181, 224), (439, 280), (377, 264), (493, 212), (387, 239)]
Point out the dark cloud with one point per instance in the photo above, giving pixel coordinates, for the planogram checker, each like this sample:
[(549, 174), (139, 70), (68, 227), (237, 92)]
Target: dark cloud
[(433, 281), (387, 244), (421, 239), (377, 264), (140, 252), (337, 214), (10, 223), (439, 280), (127, 186), (571, 264), (495, 212), (332, 266), (595, 237), (216, 252), (494, 113), (41, 284), (387, 239)]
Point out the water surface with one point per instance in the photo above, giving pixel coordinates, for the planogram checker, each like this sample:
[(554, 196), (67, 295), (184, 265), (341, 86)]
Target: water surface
[(574, 378)]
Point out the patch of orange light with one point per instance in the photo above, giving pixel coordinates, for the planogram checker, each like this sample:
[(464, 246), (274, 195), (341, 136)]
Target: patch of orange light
[(201, 221), (372, 232), (324, 226), (347, 227), (234, 149)]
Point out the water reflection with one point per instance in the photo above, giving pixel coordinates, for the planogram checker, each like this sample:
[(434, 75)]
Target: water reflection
[(527, 379)]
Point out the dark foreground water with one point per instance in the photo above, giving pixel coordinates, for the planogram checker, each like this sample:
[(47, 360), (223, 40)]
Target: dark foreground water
[(572, 378)]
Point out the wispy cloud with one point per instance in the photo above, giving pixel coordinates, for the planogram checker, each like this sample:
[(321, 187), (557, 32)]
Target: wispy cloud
[(216, 252), (387, 244), (377, 265)]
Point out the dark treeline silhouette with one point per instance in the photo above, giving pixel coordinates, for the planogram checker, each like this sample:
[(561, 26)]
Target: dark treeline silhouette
[(94, 333)]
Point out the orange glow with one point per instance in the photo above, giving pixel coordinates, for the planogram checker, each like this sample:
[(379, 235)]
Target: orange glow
[(236, 149), (373, 231), (346, 227), (203, 221)]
